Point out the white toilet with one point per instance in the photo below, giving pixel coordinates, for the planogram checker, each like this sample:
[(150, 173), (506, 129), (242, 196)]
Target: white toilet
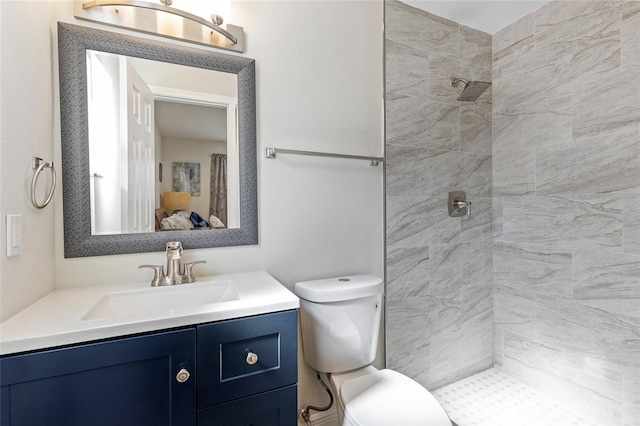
[(340, 320)]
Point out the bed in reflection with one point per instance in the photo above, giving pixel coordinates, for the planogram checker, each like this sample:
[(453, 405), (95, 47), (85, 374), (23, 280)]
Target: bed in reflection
[(185, 220)]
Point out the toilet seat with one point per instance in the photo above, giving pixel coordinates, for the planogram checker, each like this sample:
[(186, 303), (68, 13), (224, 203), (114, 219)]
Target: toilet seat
[(385, 398)]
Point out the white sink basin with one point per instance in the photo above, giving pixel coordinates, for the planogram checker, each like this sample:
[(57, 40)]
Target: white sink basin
[(169, 300), (81, 314)]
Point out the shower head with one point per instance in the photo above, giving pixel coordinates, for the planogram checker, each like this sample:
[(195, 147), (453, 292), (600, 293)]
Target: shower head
[(472, 89)]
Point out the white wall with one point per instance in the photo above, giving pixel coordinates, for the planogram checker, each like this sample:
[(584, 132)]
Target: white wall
[(319, 87), (26, 113), (191, 151)]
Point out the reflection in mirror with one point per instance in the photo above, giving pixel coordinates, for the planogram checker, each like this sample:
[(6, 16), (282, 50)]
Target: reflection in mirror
[(157, 130), (130, 164)]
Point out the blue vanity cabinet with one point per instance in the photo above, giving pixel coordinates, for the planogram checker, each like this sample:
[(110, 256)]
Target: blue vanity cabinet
[(273, 408), (129, 381), (241, 372), (247, 371)]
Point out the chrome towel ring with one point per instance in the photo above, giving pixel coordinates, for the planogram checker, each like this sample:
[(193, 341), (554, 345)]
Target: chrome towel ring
[(39, 165)]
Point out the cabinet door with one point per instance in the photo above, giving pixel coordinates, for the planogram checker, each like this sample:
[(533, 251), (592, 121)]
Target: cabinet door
[(246, 356), (129, 381), (274, 408)]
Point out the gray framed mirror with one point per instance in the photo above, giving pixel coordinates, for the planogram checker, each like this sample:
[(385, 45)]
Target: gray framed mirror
[(82, 238)]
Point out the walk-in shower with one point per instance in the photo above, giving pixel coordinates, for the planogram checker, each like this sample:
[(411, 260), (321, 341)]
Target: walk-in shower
[(472, 89), (526, 312)]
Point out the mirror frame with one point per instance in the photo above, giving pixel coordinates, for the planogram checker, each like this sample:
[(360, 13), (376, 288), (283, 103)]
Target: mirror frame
[(73, 42)]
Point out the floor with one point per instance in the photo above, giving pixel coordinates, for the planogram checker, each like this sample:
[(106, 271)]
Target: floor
[(493, 398)]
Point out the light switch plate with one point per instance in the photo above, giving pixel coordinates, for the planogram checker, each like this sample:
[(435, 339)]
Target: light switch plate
[(14, 234)]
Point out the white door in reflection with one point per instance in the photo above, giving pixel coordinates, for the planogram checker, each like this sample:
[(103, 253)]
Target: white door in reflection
[(138, 199), (103, 102), (122, 152)]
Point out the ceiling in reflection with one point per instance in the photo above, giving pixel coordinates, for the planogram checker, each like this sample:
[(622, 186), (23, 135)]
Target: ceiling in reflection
[(175, 120)]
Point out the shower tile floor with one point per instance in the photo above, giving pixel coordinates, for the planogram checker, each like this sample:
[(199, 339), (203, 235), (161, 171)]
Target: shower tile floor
[(493, 398)]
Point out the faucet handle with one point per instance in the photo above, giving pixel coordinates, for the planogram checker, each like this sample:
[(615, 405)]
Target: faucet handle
[(458, 205), (158, 272), (461, 204), (188, 270)]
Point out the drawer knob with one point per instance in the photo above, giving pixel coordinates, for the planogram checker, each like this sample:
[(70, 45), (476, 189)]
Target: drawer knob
[(182, 376), (252, 358)]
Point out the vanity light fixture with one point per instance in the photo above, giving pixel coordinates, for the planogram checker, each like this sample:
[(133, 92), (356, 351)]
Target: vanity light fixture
[(151, 18)]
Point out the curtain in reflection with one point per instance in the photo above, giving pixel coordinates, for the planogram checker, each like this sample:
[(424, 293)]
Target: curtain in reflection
[(218, 199)]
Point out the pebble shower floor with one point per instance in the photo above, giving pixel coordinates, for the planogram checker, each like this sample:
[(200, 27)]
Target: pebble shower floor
[(493, 398)]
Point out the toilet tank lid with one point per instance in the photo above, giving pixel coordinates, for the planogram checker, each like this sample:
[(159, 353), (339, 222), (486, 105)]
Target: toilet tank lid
[(339, 288)]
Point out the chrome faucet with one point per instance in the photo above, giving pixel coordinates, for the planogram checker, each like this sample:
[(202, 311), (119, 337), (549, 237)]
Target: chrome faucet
[(175, 273), (174, 254)]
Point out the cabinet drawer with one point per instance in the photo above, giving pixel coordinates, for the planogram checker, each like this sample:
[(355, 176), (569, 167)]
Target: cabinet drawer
[(273, 408), (246, 356)]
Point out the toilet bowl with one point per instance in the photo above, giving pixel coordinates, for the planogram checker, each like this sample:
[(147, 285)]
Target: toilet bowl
[(340, 321), (371, 397)]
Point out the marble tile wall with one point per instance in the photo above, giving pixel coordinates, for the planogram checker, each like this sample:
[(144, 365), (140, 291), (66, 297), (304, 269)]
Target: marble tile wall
[(566, 204), (439, 269), (550, 157)]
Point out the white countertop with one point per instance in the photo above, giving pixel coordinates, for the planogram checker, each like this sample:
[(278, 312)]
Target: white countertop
[(57, 319)]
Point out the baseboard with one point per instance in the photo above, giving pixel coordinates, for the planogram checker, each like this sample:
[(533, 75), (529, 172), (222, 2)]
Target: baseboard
[(324, 418)]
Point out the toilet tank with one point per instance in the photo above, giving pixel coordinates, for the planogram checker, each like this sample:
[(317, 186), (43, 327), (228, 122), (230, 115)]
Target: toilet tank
[(340, 321)]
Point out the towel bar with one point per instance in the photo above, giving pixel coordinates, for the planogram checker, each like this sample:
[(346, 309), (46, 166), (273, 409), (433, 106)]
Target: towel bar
[(271, 153)]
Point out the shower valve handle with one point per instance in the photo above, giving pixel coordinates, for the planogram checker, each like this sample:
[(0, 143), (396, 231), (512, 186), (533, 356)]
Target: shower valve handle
[(459, 205)]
